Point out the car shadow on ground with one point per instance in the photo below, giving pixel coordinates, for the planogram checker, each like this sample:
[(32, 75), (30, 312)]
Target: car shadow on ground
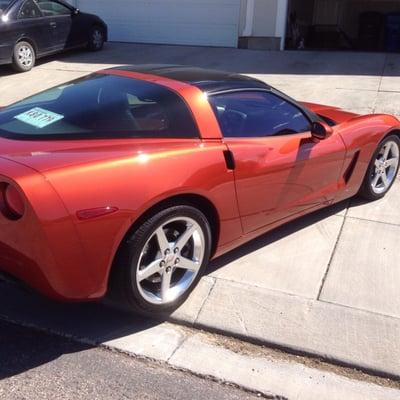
[(23, 349), (96, 322), (7, 69), (232, 59), (278, 234), (88, 324), (243, 60)]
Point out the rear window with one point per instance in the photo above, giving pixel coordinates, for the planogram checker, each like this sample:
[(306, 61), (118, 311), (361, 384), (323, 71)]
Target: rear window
[(99, 106)]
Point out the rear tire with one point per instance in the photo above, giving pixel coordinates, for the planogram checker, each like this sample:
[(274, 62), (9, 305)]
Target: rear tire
[(96, 39), (24, 57), (159, 265), (382, 170)]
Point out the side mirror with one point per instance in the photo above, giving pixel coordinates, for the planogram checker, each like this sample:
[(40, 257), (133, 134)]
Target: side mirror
[(76, 11), (321, 130)]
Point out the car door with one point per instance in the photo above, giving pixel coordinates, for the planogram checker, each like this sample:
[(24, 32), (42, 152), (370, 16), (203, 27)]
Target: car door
[(280, 170), (59, 18), (31, 24)]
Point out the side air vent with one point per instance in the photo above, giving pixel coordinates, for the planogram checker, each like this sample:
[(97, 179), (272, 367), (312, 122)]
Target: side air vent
[(350, 169), (229, 160)]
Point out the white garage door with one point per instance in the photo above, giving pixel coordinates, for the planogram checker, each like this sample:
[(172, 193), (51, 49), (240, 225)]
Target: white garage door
[(194, 22)]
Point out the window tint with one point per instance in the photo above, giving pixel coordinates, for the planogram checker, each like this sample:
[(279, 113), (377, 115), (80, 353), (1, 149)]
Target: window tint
[(100, 106), (4, 4), (51, 8), (257, 114), (29, 10)]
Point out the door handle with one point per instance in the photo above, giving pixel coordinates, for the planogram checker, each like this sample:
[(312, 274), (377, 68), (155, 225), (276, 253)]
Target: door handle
[(53, 24)]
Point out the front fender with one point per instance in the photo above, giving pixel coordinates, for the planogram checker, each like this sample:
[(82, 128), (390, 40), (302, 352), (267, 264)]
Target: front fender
[(361, 136)]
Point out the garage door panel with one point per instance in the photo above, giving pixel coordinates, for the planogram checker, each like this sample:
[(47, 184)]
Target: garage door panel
[(197, 22)]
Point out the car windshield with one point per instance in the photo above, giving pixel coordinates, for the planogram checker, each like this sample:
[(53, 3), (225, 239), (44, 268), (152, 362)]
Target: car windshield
[(4, 4), (99, 105)]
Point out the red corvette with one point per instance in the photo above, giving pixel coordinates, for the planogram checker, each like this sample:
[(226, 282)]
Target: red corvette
[(133, 178)]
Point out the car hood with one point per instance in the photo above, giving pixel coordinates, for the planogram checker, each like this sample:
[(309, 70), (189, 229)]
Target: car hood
[(335, 114)]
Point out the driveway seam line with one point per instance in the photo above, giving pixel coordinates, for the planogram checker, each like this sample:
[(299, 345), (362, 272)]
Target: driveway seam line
[(254, 285), (371, 220), (369, 312), (380, 83), (332, 257)]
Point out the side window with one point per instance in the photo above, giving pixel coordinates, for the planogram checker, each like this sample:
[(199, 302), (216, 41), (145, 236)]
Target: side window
[(257, 114), (51, 8), (29, 10)]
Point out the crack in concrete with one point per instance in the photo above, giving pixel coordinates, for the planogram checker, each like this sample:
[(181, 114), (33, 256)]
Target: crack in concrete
[(182, 342), (239, 316), (332, 255), (380, 83), (205, 300)]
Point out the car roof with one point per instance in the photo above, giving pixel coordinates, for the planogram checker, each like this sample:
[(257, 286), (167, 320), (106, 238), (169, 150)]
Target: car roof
[(207, 80)]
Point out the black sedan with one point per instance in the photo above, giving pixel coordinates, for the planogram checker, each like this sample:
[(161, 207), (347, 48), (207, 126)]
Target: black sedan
[(30, 29)]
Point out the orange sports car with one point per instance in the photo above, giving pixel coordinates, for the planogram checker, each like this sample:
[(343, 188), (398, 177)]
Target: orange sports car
[(131, 179)]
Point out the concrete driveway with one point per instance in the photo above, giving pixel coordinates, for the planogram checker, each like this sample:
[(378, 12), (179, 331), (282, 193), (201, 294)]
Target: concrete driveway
[(327, 284)]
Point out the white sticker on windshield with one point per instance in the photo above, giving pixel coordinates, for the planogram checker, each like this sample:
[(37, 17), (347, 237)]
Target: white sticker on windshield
[(39, 117)]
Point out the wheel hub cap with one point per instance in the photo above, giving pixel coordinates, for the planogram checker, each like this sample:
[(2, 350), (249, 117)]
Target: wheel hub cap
[(25, 56), (170, 260), (386, 164), (97, 38)]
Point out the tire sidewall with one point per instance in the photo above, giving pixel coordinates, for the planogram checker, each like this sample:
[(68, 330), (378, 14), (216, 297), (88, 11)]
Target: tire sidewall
[(367, 184), (91, 44), (15, 62), (139, 239)]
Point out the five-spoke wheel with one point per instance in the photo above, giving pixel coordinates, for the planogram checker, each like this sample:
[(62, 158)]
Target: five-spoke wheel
[(160, 264), (170, 260), (96, 39), (386, 164), (382, 170)]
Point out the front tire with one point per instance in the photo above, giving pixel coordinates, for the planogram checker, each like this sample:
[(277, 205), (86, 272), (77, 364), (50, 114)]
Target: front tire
[(96, 39), (162, 261), (24, 57), (382, 170)]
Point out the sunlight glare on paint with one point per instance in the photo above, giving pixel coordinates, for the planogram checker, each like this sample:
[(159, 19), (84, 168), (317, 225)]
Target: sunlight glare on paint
[(143, 158)]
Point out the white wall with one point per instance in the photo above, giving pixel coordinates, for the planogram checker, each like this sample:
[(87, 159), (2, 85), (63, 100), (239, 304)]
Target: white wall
[(270, 17), (191, 22), (265, 17)]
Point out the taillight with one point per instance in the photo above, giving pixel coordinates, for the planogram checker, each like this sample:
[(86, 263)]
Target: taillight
[(12, 204)]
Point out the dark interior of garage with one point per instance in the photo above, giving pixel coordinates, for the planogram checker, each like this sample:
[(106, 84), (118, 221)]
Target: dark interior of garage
[(364, 25)]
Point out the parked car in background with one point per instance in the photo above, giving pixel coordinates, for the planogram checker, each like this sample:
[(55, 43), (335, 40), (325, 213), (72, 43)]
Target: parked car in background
[(30, 29)]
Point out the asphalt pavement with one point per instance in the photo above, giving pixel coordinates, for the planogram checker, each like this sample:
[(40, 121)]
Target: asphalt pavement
[(38, 366)]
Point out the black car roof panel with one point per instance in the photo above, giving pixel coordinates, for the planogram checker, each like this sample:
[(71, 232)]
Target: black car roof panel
[(207, 80)]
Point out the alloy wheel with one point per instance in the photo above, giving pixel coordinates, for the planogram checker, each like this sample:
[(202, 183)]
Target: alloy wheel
[(97, 39), (385, 167), (25, 56), (170, 260)]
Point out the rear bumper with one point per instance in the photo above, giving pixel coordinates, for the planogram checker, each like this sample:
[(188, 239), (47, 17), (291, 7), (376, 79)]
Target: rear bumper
[(42, 248)]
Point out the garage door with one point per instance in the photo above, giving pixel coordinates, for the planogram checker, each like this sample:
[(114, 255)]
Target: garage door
[(192, 22)]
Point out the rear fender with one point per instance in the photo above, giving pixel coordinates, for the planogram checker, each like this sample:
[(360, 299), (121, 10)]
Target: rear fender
[(42, 248)]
